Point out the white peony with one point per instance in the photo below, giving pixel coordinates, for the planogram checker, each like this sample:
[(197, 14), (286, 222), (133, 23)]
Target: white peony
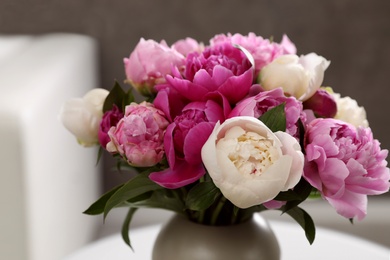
[(349, 111), (249, 163), (82, 116), (300, 76)]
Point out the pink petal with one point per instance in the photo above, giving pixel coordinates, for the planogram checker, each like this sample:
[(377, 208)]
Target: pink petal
[(169, 147), (188, 89), (181, 175), (350, 205), (237, 87), (195, 140)]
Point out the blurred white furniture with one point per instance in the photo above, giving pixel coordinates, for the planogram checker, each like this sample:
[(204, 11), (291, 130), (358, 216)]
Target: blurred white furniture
[(328, 245), (46, 178)]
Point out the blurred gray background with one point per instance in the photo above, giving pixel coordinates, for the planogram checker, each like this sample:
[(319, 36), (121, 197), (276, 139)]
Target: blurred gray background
[(353, 34)]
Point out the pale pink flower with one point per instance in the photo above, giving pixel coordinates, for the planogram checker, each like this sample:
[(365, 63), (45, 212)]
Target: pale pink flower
[(138, 136), (187, 45), (149, 63), (345, 164)]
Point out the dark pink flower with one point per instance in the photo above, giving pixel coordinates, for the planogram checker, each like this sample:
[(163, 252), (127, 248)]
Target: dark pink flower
[(322, 103), (221, 69), (183, 142), (169, 101), (345, 164), (257, 105), (110, 118)]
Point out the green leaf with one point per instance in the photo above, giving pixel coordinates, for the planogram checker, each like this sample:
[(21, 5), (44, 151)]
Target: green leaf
[(163, 199), (98, 207), (275, 118), (136, 186), (303, 190), (287, 196), (126, 226), (202, 196), (301, 129), (305, 221), (118, 97)]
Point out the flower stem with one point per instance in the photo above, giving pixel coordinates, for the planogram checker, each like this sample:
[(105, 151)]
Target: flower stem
[(201, 216), (234, 215), (217, 210)]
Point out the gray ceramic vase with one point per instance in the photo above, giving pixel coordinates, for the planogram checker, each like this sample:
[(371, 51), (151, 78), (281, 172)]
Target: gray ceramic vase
[(181, 239)]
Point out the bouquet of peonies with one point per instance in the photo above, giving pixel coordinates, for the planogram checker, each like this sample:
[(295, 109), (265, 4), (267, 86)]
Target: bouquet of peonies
[(237, 126)]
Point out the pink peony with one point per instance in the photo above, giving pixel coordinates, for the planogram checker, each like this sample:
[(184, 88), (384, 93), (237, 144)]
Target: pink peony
[(110, 118), (221, 69), (257, 105), (263, 50), (345, 164), (183, 142), (138, 136), (149, 63)]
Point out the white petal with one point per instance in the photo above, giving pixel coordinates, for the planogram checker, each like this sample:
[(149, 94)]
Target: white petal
[(315, 66), (292, 148)]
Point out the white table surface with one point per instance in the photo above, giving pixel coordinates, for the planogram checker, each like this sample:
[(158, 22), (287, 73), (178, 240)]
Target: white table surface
[(327, 245)]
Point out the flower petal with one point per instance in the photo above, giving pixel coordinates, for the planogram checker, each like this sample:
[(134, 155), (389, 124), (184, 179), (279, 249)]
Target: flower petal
[(180, 175)]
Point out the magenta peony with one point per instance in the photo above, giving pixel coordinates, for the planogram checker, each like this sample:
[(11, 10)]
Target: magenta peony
[(138, 136), (220, 69), (345, 164), (110, 118), (183, 142)]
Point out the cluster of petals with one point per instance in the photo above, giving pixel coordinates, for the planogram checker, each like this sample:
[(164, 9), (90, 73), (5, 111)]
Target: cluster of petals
[(138, 136), (257, 105), (149, 63), (183, 141), (345, 164), (263, 50), (249, 163), (219, 70), (110, 119)]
